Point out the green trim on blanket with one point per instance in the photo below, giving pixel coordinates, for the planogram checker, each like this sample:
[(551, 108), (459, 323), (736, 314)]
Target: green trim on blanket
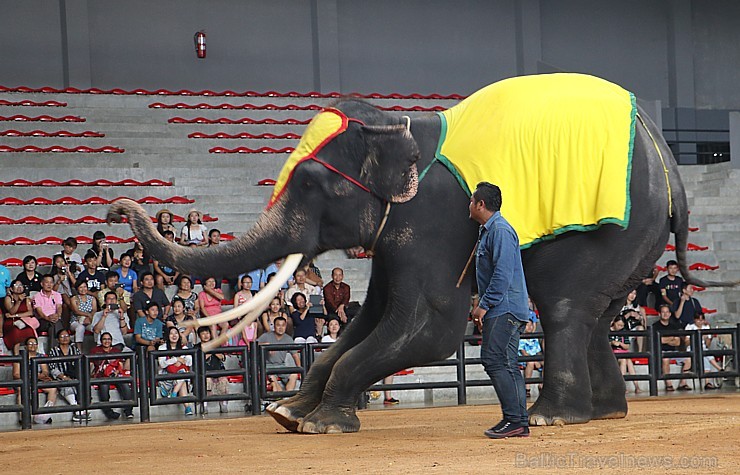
[(444, 160), (633, 125)]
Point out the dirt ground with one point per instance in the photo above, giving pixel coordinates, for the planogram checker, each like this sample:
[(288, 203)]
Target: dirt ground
[(656, 434)]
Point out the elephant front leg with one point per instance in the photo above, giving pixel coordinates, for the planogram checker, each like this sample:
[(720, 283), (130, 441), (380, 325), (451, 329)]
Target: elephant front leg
[(289, 412), (566, 394)]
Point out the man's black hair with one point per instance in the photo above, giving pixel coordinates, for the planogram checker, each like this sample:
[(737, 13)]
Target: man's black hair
[(671, 263), (111, 273), (490, 195)]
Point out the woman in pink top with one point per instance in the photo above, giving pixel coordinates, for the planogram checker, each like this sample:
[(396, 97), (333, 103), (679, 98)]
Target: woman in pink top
[(243, 296), (209, 301)]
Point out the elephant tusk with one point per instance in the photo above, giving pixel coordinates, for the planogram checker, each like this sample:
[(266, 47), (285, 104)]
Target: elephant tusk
[(235, 330), (261, 300)]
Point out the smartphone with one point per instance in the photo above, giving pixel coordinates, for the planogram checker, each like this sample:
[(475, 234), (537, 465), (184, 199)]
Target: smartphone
[(113, 306), (119, 286)]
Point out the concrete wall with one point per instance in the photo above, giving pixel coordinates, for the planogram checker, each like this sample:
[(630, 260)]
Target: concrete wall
[(683, 53)]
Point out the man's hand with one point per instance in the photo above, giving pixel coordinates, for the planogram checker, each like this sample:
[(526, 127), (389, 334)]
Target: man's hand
[(478, 314)]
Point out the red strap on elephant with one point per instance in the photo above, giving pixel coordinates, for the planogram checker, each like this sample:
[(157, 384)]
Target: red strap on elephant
[(324, 127)]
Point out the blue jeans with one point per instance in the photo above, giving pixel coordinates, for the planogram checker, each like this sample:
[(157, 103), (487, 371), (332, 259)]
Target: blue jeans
[(499, 352)]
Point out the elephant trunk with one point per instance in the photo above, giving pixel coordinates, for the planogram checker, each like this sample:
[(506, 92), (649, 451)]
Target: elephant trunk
[(269, 240)]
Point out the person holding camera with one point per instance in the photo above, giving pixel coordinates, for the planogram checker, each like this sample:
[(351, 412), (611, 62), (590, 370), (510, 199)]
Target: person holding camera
[(112, 284), (148, 331), (111, 319), (103, 253), (84, 308)]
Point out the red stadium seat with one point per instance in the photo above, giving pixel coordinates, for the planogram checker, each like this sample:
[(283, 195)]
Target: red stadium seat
[(702, 266), (5, 220), (33, 220), (41, 118), (41, 201), (245, 120), (11, 201), (50, 240), (12, 262), (650, 311), (696, 247), (59, 220), (90, 220), (250, 150), (44, 261), (29, 103), (68, 200), (266, 182), (708, 311)]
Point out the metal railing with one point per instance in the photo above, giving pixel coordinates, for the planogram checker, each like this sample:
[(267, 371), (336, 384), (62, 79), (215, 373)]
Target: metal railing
[(146, 375)]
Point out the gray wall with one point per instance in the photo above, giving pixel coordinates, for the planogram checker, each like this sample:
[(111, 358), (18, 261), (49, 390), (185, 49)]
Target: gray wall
[(683, 53)]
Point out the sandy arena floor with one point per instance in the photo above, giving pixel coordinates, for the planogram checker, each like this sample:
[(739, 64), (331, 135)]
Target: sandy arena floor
[(657, 433)]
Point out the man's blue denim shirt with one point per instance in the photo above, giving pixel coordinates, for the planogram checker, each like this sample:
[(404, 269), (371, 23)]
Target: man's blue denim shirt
[(499, 272)]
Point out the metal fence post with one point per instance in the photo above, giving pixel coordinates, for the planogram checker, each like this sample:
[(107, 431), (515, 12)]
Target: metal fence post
[(83, 373), (25, 391), (462, 387), (143, 382), (654, 363), (254, 378)]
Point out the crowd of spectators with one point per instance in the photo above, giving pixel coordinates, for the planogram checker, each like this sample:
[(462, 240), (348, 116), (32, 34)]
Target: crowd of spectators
[(122, 304)]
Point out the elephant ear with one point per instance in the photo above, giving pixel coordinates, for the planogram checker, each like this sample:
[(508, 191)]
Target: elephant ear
[(389, 168)]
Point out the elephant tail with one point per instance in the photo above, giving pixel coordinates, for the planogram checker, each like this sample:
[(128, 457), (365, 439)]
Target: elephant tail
[(680, 228)]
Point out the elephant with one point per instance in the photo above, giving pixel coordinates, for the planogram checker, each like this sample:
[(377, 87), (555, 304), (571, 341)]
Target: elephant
[(361, 187)]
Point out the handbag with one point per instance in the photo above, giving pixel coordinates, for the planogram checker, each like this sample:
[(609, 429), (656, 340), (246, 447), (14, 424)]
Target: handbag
[(31, 322), (177, 368)]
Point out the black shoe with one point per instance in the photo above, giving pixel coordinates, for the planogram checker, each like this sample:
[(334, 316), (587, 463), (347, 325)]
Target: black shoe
[(503, 430), (129, 415), (112, 415)]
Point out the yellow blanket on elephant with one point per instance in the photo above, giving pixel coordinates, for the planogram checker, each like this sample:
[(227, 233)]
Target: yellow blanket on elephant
[(558, 145)]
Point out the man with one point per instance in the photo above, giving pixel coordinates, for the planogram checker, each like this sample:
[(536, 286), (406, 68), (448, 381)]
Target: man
[(111, 319), (110, 368), (686, 307), (502, 309), (48, 306), (112, 285), (148, 330), (164, 275), (336, 295), (92, 275), (147, 295), (667, 322), (671, 284), (299, 286), (280, 359)]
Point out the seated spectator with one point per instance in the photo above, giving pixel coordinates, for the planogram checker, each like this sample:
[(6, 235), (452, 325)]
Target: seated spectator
[(635, 317), (110, 368), (84, 307), (214, 362), (64, 283), (336, 295), (90, 274), (148, 331), (148, 294), (280, 359), (710, 362), (245, 290), (165, 276), (177, 320), (304, 322), (127, 277), (671, 284), (274, 311), (174, 365), (164, 221), (686, 307), (621, 344), (69, 246), (48, 306), (668, 322), (140, 264), (271, 270), (111, 319), (102, 252), (19, 321), (67, 370), (32, 346), (30, 279), (194, 232), (299, 286), (530, 347), (209, 301), (188, 297), (332, 327), (112, 285), (256, 277)]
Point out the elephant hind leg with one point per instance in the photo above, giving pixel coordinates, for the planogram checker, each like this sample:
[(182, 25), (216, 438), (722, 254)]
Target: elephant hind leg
[(566, 394), (607, 383)]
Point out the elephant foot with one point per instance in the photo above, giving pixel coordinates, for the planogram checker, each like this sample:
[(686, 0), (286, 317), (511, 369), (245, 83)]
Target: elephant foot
[(289, 412), (545, 413), (330, 420), (611, 405)]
